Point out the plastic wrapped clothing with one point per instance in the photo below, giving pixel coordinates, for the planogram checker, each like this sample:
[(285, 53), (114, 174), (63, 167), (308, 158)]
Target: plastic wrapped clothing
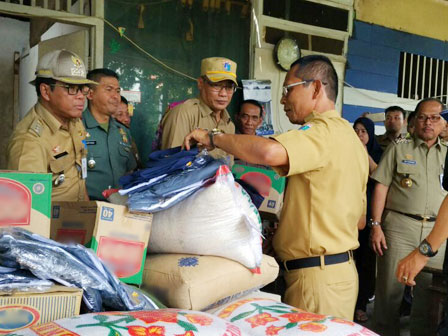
[(16, 280), (72, 266), (175, 187), (160, 163)]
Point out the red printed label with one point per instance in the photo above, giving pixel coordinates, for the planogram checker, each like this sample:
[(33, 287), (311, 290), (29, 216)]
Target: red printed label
[(124, 257), (15, 203), (259, 181), (71, 236)]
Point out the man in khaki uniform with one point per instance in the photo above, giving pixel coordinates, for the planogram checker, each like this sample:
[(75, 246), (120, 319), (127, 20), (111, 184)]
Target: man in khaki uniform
[(405, 203), (394, 123), (216, 87), (50, 137), (325, 200)]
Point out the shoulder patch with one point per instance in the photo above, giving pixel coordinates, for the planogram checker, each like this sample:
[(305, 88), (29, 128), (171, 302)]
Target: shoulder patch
[(305, 127), (402, 140), (36, 127)]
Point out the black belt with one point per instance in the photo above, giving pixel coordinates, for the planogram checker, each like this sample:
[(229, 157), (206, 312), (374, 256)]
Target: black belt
[(417, 217), (314, 261)]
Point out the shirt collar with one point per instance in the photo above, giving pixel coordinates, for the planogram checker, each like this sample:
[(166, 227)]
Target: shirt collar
[(48, 118), (207, 111), (327, 114), (91, 122), (418, 142)]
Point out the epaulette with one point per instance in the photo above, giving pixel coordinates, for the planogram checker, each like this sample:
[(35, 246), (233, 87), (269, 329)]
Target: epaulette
[(36, 127)]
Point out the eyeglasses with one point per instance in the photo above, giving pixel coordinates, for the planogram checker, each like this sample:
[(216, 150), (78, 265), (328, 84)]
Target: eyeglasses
[(217, 87), (433, 118), (287, 88), (73, 90)]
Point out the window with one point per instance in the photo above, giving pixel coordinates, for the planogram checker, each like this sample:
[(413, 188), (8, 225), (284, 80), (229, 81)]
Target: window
[(422, 77)]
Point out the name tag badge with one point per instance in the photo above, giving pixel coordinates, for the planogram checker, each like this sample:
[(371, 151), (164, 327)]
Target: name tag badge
[(90, 142), (409, 162), (441, 181), (84, 168)]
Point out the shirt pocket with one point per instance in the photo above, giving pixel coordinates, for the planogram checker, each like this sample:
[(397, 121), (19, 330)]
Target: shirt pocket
[(124, 149), (61, 164), (407, 167)]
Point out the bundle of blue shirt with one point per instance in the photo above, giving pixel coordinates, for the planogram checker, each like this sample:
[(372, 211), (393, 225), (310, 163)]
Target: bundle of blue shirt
[(171, 176), (69, 265)]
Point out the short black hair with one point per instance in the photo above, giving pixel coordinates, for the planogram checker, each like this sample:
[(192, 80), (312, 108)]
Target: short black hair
[(40, 80), (411, 116), (97, 74), (252, 102), (318, 67), (396, 108), (421, 102), (124, 100)]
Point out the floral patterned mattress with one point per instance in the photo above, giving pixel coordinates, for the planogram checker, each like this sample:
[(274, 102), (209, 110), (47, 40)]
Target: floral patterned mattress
[(252, 316)]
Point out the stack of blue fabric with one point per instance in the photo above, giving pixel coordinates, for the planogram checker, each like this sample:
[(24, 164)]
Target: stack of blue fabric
[(69, 265), (171, 176)]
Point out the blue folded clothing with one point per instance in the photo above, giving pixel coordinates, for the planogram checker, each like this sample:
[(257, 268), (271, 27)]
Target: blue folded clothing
[(161, 162)]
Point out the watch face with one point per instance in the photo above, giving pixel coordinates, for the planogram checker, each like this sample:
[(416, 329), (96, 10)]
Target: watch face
[(286, 51), (424, 249)]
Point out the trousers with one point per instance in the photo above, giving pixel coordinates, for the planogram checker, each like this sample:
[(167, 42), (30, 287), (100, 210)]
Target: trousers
[(327, 290)]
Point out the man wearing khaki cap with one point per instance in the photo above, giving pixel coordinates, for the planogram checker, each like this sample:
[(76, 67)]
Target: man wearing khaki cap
[(49, 139), (216, 84)]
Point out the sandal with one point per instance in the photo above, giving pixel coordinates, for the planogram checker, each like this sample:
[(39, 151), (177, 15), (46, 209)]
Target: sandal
[(360, 316)]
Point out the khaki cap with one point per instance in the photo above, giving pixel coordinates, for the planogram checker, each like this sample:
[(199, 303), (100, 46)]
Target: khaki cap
[(64, 66), (218, 69)]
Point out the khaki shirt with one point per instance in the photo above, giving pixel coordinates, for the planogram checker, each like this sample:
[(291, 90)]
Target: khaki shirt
[(424, 166), (184, 118), (326, 192), (384, 140), (41, 144)]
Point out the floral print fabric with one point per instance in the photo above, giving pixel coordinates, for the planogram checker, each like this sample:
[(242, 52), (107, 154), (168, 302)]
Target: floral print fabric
[(162, 322), (259, 316)]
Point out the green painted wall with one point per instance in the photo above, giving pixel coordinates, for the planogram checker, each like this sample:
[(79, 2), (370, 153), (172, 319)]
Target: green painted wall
[(215, 33)]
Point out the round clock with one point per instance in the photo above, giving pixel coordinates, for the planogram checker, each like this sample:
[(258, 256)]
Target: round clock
[(286, 52)]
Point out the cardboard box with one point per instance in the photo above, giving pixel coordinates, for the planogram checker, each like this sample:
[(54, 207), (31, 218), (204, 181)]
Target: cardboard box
[(268, 183), (25, 309), (25, 201), (119, 237)]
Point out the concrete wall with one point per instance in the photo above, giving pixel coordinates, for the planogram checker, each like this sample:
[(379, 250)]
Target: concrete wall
[(14, 35), (420, 17)]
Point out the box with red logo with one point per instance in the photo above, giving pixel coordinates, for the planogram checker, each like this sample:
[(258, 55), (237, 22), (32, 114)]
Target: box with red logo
[(268, 183), (119, 237), (25, 201), (27, 309)]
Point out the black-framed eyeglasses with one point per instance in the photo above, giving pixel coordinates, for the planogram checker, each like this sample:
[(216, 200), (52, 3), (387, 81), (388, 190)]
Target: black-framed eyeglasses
[(217, 87), (433, 118), (73, 90)]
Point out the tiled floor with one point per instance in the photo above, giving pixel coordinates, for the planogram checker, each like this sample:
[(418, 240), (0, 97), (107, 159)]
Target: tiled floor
[(404, 321)]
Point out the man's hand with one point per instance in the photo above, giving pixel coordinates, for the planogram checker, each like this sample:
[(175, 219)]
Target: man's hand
[(377, 240), (199, 136), (409, 267)]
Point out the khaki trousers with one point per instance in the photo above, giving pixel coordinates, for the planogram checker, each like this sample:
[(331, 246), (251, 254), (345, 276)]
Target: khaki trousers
[(403, 235), (328, 289)]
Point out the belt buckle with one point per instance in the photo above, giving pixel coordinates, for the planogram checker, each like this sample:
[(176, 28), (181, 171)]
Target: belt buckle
[(284, 265)]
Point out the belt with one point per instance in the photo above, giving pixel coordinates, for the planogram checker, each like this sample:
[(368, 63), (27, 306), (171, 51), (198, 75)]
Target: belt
[(417, 217), (314, 261)]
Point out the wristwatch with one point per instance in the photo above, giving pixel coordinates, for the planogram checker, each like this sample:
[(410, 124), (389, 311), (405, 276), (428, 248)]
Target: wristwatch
[(212, 133), (426, 249), (373, 223)]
